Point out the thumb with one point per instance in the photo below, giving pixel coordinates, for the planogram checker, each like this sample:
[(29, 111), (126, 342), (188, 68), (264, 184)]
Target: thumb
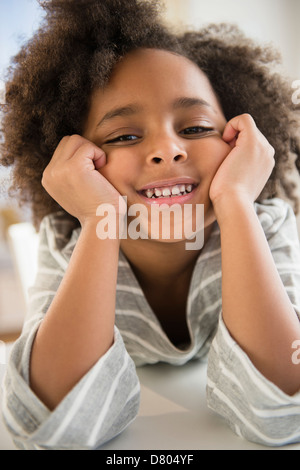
[(230, 135), (99, 159)]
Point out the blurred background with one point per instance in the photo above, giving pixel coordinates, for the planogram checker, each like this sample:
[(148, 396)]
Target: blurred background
[(268, 21)]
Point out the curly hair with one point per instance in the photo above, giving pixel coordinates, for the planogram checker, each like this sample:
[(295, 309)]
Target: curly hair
[(75, 50)]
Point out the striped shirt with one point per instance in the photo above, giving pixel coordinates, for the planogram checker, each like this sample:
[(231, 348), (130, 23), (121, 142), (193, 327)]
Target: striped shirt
[(106, 399)]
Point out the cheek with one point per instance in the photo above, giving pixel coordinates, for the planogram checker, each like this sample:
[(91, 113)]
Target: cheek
[(211, 155), (118, 171)]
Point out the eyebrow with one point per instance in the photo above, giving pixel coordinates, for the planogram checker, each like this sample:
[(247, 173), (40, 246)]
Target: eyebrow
[(185, 102), (179, 103), (123, 111)]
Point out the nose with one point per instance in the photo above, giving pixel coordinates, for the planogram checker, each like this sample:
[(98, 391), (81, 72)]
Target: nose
[(166, 151)]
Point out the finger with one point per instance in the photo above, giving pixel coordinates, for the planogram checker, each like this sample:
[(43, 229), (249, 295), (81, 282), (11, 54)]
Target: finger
[(70, 145), (100, 159), (238, 125), (67, 147), (95, 156), (231, 137), (230, 134)]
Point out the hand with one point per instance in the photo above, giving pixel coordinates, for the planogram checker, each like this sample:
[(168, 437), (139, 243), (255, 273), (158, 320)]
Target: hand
[(72, 178), (247, 168)]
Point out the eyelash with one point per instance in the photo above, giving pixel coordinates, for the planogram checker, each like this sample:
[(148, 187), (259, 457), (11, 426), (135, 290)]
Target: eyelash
[(123, 138), (203, 130), (127, 138)]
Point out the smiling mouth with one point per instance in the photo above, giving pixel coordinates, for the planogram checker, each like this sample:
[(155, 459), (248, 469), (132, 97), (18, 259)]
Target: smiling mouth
[(176, 190)]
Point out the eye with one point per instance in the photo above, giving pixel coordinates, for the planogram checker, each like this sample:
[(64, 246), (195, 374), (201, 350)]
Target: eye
[(196, 131), (126, 138)]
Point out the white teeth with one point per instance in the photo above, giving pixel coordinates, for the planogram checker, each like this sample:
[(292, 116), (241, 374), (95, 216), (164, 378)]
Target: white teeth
[(166, 192), (175, 191), (149, 193)]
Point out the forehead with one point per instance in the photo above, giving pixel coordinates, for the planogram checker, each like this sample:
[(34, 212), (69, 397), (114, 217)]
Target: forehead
[(150, 74), (151, 62)]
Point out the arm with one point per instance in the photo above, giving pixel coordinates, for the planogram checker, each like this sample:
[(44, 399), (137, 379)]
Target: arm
[(78, 328), (103, 402), (256, 308)]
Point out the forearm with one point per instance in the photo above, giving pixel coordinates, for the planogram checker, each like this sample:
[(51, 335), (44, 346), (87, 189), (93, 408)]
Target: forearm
[(256, 307), (79, 326)]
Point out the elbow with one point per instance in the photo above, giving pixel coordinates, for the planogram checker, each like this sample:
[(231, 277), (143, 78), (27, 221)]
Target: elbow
[(270, 426), (65, 431)]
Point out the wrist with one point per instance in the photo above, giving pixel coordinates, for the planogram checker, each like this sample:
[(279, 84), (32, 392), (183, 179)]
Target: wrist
[(112, 211), (229, 207), (104, 228)]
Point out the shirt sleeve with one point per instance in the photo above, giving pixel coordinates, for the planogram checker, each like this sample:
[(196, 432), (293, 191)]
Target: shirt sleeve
[(100, 406), (254, 407)]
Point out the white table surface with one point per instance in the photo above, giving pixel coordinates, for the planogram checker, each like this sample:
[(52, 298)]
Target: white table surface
[(173, 415)]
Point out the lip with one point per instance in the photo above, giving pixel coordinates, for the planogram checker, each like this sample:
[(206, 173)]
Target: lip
[(169, 182)]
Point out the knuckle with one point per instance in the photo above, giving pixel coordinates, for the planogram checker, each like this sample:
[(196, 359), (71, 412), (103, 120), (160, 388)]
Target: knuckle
[(271, 157), (44, 180), (50, 174), (77, 140), (71, 142), (62, 143), (248, 118), (74, 137), (272, 152), (86, 146), (273, 162)]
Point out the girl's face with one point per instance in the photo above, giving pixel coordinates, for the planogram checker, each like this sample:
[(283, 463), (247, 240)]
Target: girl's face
[(160, 124)]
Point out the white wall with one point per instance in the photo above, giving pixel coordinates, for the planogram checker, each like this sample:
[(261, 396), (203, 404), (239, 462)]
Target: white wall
[(275, 21)]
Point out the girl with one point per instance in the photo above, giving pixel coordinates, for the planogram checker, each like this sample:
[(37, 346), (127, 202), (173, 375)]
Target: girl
[(105, 102)]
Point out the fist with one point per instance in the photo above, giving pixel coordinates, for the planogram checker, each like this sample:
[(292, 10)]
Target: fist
[(73, 179), (248, 166)]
